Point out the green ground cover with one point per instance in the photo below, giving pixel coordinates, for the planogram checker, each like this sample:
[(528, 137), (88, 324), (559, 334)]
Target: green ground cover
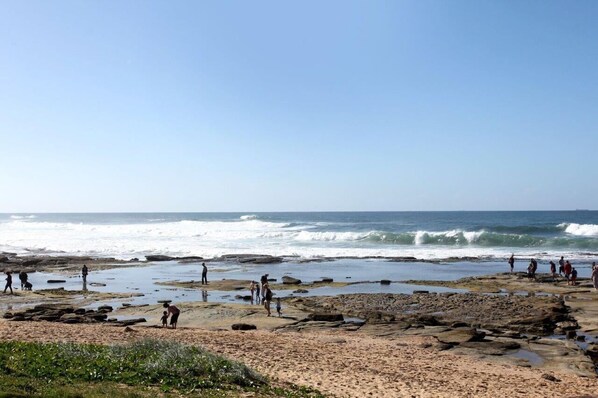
[(140, 369)]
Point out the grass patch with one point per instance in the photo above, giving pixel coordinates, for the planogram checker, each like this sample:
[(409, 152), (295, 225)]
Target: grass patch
[(140, 369)]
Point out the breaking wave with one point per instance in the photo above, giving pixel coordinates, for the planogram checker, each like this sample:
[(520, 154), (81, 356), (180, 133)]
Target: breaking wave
[(580, 229), (249, 234)]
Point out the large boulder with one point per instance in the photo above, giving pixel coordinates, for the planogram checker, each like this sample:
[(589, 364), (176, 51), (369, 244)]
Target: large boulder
[(289, 280)]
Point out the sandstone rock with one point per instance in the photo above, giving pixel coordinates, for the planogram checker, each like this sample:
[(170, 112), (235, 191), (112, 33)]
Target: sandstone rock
[(288, 280), (97, 284), (105, 308), (326, 317), (73, 318), (56, 281), (243, 326), (301, 291), (128, 329), (385, 282), (460, 335)]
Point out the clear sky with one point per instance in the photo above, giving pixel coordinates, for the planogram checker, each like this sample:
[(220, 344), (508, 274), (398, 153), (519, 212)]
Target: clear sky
[(298, 106)]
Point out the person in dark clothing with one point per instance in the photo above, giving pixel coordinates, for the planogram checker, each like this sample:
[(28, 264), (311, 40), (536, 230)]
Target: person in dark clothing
[(8, 282), (553, 270), (562, 265), (204, 274), (267, 297), (264, 282), (84, 272), (23, 278), (174, 312), (512, 262)]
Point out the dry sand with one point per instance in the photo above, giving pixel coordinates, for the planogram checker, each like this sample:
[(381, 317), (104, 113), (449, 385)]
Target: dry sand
[(339, 364)]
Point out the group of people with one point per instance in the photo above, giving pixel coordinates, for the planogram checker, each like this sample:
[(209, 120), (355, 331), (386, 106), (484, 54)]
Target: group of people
[(23, 277), (565, 269), (266, 294)]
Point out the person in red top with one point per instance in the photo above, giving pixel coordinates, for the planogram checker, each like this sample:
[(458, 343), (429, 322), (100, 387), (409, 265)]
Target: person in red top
[(568, 268), (174, 312)]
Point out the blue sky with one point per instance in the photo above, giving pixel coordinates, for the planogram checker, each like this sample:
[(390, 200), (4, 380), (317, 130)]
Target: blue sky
[(279, 106)]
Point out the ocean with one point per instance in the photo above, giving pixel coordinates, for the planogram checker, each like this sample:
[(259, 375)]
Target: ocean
[(423, 235)]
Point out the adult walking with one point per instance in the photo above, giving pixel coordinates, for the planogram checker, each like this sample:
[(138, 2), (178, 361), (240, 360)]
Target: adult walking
[(595, 275), (8, 282), (173, 312), (204, 274)]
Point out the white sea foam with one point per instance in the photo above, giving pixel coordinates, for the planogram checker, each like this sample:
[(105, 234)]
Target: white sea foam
[(19, 217), (214, 238), (456, 235), (248, 217), (580, 229)]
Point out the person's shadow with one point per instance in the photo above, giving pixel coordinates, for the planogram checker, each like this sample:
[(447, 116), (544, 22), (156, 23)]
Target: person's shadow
[(84, 284)]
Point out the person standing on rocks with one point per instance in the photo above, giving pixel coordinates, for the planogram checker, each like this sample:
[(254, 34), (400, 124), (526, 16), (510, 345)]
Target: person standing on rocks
[(531, 270), (174, 312), (8, 282), (84, 272), (252, 290), (553, 269), (23, 278), (267, 297), (264, 282), (573, 276), (278, 307), (562, 265), (204, 274), (595, 275), (512, 262), (567, 270)]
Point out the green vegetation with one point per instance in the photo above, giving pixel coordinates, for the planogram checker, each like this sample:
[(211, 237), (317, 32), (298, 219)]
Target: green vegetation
[(146, 368)]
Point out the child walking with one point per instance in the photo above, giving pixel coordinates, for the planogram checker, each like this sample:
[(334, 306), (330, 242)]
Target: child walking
[(278, 306)]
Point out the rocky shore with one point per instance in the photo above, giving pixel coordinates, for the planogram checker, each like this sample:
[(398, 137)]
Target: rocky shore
[(503, 319)]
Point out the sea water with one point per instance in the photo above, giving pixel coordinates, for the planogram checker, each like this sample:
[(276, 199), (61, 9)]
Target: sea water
[(436, 236)]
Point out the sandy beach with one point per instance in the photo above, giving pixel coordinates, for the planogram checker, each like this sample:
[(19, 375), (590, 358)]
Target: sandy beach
[(339, 364)]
